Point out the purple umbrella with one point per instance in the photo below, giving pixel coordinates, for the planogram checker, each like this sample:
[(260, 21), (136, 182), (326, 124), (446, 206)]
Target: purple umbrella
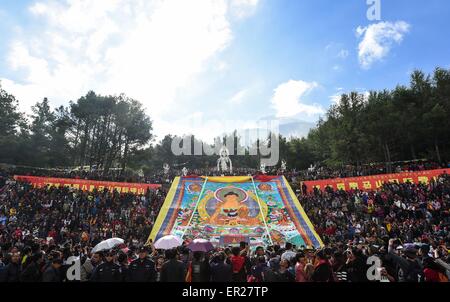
[(200, 245)]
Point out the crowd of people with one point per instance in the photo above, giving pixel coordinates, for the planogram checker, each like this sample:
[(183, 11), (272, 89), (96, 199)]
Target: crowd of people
[(405, 225)]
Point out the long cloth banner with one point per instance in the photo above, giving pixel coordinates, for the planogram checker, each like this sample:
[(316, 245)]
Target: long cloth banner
[(373, 182), (87, 185), (227, 210)]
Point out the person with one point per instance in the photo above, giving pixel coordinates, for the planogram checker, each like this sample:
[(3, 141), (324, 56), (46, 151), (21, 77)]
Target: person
[(12, 269), (221, 270), (122, 259), (309, 270), (108, 271), (259, 251), (322, 271), (238, 264), (356, 266), (198, 268), (300, 274), (288, 254), (408, 267), (89, 266), (32, 272), (158, 267), (173, 270), (285, 274), (52, 273), (339, 266), (258, 270), (142, 269), (272, 273)]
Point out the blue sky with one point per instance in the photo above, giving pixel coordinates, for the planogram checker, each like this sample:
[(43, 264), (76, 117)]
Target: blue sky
[(197, 65)]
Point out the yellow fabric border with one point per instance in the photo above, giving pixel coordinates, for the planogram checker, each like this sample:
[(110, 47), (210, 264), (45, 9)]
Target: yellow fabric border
[(229, 179), (302, 211), (164, 210)]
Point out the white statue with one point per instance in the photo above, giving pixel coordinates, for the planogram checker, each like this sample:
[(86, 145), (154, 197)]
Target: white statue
[(166, 168), (184, 171), (283, 166), (224, 161), (263, 168)]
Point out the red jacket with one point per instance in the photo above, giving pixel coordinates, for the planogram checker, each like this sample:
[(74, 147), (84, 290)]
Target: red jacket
[(237, 262)]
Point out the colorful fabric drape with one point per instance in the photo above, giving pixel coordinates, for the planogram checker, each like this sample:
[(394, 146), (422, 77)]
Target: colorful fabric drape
[(260, 212)]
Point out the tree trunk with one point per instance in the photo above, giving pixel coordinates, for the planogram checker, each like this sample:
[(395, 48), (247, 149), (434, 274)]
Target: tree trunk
[(125, 156), (413, 152), (388, 157), (438, 154)]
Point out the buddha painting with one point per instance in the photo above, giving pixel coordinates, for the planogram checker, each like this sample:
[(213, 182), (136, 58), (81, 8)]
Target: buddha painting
[(233, 207)]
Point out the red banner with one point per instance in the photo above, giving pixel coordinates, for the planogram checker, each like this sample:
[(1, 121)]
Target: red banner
[(88, 185), (373, 182)]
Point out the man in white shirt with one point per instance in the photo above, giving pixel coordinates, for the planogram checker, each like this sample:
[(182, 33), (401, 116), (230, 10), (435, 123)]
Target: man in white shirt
[(288, 254)]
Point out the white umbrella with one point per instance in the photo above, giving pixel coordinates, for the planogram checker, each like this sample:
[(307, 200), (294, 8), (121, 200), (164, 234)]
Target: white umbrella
[(200, 245), (107, 244), (168, 242)]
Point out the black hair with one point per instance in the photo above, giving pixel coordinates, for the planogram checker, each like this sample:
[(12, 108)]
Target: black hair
[(36, 256), (288, 245), (230, 194), (198, 256), (170, 254), (221, 257), (235, 250), (299, 255), (122, 257), (321, 254), (276, 248)]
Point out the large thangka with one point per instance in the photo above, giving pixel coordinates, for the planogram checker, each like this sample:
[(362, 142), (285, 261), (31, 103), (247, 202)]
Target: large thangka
[(228, 210)]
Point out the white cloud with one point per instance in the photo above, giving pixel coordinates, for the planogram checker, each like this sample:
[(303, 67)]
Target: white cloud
[(222, 66), (287, 99), (243, 8), (335, 98), (238, 97), (378, 39), (150, 50)]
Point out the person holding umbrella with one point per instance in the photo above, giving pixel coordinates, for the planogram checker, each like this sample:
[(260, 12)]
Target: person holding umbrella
[(198, 268), (142, 269), (108, 271)]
